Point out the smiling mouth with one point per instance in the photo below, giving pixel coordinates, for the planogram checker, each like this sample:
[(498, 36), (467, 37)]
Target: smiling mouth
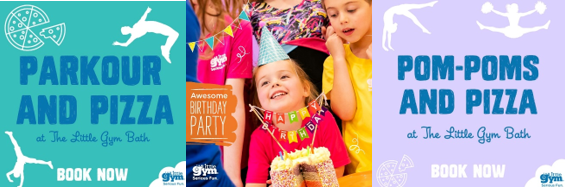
[(348, 31), (278, 94)]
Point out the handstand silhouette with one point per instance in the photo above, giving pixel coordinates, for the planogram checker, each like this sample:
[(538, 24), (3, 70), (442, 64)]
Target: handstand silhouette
[(390, 27), (513, 14), (142, 27), (21, 161)]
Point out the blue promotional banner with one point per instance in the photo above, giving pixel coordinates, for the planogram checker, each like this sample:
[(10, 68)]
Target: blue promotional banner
[(92, 94)]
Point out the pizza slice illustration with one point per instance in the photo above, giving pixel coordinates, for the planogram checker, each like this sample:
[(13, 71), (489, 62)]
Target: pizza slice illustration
[(398, 180), (25, 40), (386, 176), (17, 38), (384, 180), (21, 28), (406, 162), (13, 24), (37, 17), (55, 33), (32, 42)]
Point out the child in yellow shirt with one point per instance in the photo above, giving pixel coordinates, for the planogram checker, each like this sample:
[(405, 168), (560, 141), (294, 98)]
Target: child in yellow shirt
[(347, 76)]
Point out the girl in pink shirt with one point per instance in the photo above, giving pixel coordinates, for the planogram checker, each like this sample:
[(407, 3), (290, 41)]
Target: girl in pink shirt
[(228, 63), (282, 87)]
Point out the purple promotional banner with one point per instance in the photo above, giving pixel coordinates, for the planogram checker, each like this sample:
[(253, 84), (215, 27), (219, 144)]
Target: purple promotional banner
[(469, 93)]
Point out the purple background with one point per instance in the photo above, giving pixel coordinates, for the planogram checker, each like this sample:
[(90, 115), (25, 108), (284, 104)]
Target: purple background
[(455, 32)]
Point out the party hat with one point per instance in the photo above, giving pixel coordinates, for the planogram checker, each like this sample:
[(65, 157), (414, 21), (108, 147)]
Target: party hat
[(269, 49)]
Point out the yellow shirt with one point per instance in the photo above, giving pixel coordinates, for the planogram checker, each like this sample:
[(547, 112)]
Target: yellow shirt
[(357, 132)]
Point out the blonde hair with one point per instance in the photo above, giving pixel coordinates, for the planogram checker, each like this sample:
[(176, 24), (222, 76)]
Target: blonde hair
[(305, 81)]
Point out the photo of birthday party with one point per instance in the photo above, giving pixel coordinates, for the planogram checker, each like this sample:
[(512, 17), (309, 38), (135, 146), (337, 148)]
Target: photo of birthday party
[(301, 73)]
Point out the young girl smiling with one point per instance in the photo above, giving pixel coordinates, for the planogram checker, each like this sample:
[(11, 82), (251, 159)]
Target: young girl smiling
[(281, 86)]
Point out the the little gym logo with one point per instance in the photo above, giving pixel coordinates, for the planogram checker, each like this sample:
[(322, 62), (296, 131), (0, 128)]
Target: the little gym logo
[(27, 26), (205, 172), (172, 176), (551, 179)]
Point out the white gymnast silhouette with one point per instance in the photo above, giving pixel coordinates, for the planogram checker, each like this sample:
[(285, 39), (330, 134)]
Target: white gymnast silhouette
[(513, 14), (21, 161), (390, 27), (142, 27)]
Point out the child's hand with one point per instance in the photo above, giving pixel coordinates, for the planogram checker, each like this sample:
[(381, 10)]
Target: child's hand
[(369, 51), (326, 33), (323, 31), (334, 43)]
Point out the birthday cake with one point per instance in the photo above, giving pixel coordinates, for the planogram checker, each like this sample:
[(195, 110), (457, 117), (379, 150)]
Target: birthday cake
[(301, 168)]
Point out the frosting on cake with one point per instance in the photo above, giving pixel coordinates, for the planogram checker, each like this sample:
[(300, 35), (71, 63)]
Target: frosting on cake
[(300, 166), (302, 156)]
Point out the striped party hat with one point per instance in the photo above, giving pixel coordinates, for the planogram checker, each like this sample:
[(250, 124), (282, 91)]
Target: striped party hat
[(269, 49)]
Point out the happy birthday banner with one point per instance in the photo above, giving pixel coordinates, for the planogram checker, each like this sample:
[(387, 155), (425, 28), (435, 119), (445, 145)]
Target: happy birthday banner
[(313, 109)]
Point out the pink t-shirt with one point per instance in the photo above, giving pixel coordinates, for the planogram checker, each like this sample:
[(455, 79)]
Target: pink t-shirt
[(263, 148), (231, 58)]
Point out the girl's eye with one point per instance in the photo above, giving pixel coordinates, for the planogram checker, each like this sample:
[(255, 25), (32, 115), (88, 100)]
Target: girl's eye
[(284, 77), (352, 11), (264, 83), (332, 15)]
